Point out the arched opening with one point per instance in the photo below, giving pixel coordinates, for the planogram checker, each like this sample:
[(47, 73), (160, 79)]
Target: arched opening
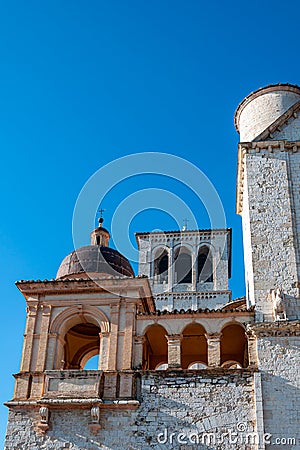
[(231, 365), (193, 346), (82, 342), (92, 363), (161, 265), (155, 349), (197, 366), (162, 366), (205, 266), (183, 266), (234, 346)]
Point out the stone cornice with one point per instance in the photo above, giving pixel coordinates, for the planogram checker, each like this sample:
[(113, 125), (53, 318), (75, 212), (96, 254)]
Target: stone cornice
[(194, 314), (181, 234), (30, 287), (131, 289), (272, 329), (74, 403), (246, 148)]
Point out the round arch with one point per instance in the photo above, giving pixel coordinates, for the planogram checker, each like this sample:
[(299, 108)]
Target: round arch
[(193, 345), (183, 264), (155, 347), (234, 344), (73, 316)]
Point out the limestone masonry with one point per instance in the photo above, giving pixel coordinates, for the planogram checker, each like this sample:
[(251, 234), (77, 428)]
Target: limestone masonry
[(181, 364)]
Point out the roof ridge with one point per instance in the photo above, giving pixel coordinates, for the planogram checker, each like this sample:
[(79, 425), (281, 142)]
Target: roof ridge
[(282, 120)]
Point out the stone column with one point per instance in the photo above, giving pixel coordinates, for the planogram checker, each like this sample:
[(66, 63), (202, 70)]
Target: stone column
[(113, 344), (138, 352), (103, 351), (43, 341), (252, 347), (194, 269), (28, 337), (214, 349), (174, 351), (170, 269)]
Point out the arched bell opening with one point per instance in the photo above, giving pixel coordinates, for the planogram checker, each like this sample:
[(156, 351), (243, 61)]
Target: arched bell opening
[(205, 266), (82, 342), (161, 266), (183, 266)]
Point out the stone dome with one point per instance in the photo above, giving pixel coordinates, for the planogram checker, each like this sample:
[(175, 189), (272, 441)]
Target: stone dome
[(93, 260)]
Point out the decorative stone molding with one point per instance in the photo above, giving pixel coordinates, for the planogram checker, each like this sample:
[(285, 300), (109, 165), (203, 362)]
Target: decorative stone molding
[(275, 329)]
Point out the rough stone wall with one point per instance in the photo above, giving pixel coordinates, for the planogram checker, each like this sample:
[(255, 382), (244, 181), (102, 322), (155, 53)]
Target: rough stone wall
[(273, 255), (201, 406), (279, 362), (294, 181), (289, 132)]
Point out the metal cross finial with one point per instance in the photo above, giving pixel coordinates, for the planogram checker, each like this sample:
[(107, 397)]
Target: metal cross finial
[(101, 220), (101, 211)]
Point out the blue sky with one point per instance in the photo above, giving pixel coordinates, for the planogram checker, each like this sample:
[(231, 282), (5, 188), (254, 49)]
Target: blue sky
[(84, 83)]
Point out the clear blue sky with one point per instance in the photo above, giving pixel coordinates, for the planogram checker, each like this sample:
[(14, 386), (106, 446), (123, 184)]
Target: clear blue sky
[(83, 83)]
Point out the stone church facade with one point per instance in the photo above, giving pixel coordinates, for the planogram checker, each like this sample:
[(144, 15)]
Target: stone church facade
[(181, 364)]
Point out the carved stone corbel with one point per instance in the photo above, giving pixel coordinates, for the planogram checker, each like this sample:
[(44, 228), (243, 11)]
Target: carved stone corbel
[(43, 424), (95, 426)]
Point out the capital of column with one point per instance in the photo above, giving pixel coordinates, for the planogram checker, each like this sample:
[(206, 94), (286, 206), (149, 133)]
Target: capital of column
[(139, 339), (213, 336), (173, 338), (104, 334)]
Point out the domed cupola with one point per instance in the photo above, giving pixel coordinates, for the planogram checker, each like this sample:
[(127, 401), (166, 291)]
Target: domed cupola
[(97, 260)]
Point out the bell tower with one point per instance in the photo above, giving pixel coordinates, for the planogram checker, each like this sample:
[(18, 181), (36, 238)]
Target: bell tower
[(268, 184)]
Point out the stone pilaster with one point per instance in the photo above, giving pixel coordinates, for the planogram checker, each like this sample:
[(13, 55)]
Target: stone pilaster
[(29, 335), (171, 269), (104, 350), (43, 341), (113, 344), (138, 351), (252, 348), (214, 349), (174, 351), (128, 336)]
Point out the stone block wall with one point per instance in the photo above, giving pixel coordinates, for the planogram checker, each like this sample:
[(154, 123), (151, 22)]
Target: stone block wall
[(279, 362), (178, 410), (271, 248)]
